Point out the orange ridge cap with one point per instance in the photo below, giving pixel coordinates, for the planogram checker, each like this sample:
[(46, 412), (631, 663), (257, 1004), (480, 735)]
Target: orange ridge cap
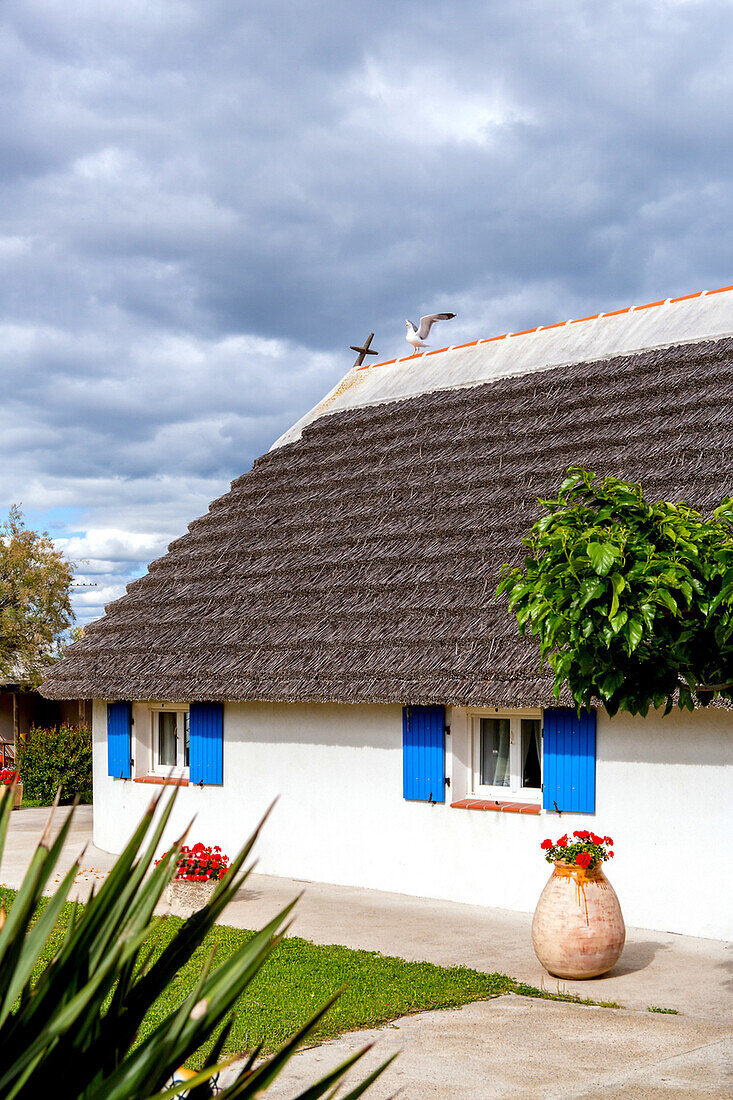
[(698, 294), (650, 305), (368, 366), (557, 324)]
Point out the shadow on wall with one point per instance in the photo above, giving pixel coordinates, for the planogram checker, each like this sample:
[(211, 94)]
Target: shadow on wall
[(703, 737), (357, 725)]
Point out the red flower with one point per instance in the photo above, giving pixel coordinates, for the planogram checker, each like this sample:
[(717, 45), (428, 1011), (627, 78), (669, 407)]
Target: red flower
[(546, 844), (607, 840), (562, 841), (596, 839), (583, 859), (581, 835), (610, 855)]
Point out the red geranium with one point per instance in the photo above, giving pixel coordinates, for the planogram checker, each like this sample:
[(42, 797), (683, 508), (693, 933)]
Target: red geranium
[(587, 850), (200, 863)]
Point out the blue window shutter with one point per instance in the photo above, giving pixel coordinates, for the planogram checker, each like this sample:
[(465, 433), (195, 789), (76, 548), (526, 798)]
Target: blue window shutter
[(206, 743), (423, 753), (119, 740), (569, 760)]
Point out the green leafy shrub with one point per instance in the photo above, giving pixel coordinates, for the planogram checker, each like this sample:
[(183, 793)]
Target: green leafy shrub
[(73, 1032), (631, 600), (57, 758)]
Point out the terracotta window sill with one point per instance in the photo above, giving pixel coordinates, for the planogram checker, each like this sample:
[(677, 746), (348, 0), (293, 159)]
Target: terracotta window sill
[(498, 807), (161, 780)]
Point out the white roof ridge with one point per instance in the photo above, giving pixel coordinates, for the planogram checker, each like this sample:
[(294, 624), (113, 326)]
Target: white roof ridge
[(706, 314)]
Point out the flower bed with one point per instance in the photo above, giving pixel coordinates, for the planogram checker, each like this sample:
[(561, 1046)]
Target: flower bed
[(587, 850), (202, 863), (198, 870)]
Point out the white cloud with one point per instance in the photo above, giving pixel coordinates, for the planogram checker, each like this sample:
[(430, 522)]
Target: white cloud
[(112, 545), (420, 106), (203, 206)]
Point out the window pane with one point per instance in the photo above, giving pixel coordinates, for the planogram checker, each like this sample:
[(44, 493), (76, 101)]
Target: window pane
[(531, 749), (185, 739), (495, 752), (167, 739)]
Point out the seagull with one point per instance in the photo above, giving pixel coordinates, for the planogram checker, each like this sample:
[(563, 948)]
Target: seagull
[(416, 334)]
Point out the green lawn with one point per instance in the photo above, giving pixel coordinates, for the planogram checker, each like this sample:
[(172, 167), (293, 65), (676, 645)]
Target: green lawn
[(301, 976)]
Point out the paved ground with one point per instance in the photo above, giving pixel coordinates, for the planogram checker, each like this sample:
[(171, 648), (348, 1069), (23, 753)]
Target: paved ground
[(508, 1047)]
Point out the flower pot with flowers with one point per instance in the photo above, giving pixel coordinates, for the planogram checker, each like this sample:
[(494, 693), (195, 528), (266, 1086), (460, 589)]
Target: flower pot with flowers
[(8, 778), (578, 930), (198, 871)]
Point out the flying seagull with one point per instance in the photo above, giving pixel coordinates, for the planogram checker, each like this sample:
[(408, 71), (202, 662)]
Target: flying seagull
[(416, 334)]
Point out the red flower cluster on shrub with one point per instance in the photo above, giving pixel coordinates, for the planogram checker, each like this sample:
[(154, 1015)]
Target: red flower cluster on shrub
[(201, 863), (587, 850), (8, 776)]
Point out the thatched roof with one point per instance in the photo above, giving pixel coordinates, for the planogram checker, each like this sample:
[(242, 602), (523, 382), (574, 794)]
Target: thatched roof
[(359, 562)]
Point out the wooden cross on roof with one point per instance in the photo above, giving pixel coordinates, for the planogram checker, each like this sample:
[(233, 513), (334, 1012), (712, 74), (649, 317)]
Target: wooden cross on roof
[(363, 351)]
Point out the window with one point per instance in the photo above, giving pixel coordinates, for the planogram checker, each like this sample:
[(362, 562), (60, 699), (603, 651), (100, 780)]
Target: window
[(170, 741), (506, 755)]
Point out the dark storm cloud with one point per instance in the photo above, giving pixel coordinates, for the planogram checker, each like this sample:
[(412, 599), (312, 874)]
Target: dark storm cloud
[(203, 204)]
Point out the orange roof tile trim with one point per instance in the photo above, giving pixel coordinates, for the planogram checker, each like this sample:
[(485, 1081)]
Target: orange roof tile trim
[(558, 324)]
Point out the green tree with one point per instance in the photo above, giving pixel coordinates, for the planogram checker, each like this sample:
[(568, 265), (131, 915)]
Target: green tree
[(35, 608), (632, 601)]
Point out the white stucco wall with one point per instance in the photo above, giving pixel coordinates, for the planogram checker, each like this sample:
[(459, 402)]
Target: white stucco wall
[(663, 794)]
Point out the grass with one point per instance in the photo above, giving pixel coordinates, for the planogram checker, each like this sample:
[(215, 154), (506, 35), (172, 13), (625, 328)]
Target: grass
[(300, 976), (665, 1011)]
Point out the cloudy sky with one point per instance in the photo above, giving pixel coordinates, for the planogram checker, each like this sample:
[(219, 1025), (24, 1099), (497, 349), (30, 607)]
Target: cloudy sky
[(204, 202)]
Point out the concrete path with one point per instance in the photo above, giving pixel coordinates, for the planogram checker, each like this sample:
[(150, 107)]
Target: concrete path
[(508, 1047)]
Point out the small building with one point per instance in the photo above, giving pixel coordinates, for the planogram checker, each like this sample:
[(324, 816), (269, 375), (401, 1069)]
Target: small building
[(23, 709), (328, 632)]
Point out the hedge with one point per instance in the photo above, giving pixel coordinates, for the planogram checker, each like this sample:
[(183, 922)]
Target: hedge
[(53, 758)]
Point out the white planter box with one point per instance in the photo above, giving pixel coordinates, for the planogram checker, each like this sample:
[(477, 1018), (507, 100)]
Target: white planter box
[(181, 894)]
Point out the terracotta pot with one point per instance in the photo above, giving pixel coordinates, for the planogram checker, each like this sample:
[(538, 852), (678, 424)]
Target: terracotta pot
[(578, 930), (190, 895)]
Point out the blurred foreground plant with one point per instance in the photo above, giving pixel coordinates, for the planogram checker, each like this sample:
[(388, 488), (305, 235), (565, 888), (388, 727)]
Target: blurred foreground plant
[(71, 1032)]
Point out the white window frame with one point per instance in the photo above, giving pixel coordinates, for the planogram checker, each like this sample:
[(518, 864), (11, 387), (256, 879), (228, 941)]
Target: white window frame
[(156, 768), (515, 792)]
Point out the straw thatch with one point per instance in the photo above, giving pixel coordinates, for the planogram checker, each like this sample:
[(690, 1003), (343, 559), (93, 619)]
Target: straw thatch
[(360, 563)]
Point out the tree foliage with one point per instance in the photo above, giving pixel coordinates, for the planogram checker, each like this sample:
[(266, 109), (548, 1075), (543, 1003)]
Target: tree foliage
[(35, 608), (632, 601)]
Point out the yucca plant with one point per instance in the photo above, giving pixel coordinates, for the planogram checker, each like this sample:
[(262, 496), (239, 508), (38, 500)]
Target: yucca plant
[(71, 1031)]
